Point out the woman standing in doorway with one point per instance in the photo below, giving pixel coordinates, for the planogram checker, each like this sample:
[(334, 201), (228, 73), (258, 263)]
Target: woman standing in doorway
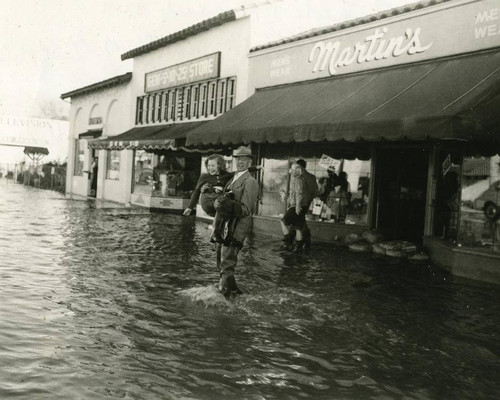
[(93, 177)]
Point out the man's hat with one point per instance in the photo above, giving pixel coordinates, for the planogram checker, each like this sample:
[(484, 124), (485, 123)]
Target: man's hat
[(242, 151)]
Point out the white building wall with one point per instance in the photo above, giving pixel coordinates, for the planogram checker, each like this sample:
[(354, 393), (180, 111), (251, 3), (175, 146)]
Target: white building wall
[(113, 106), (232, 39)]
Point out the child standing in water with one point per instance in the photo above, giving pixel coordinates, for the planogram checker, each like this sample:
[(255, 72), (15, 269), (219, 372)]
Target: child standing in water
[(209, 187)]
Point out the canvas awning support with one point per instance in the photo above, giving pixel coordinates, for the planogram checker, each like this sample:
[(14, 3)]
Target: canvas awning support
[(36, 153), (456, 99), (90, 134)]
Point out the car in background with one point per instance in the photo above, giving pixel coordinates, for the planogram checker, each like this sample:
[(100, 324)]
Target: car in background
[(489, 202)]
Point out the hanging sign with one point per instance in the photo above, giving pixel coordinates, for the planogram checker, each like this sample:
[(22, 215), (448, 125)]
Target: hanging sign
[(445, 167), (95, 121), (326, 162)]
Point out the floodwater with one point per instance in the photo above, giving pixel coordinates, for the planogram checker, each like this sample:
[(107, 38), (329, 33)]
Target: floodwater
[(95, 304)]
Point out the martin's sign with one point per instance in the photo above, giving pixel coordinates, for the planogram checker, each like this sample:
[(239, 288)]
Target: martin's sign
[(334, 55), (433, 32), (200, 69)]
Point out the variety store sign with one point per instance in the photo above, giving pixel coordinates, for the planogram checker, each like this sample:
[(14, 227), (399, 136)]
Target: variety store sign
[(196, 70), (430, 33)]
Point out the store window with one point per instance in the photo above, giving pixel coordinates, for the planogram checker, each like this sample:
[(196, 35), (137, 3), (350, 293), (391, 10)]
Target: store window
[(210, 98), (479, 219), (165, 173), (447, 201), (212, 103), (173, 102), (180, 104), (275, 180), (113, 165), (79, 157), (143, 172), (158, 108), (165, 102), (231, 94), (196, 100), (139, 110), (203, 99), (343, 194), (187, 102), (221, 97)]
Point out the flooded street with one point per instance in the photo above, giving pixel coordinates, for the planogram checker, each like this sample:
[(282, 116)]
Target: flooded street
[(90, 308)]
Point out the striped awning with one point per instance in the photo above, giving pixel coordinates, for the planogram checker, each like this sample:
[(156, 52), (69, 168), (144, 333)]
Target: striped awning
[(36, 150), (448, 99), (157, 137), (90, 134)]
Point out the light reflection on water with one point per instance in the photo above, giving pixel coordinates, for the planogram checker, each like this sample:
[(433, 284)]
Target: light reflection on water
[(90, 308)]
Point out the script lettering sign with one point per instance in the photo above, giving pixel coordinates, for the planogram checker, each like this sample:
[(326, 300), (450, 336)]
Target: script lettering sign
[(444, 30)]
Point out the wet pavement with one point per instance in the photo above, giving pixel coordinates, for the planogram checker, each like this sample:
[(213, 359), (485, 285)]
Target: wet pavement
[(93, 305)]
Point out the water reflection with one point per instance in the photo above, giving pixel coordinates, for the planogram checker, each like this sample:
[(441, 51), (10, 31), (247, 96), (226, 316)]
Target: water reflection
[(90, 308)]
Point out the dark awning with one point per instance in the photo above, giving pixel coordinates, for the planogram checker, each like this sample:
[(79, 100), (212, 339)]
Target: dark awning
[(159, 137), (36, 150), (455, 98), (90, 134)]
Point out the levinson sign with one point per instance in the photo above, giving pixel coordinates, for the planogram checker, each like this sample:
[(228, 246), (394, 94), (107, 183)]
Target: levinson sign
[(36, 132), (438, 31)]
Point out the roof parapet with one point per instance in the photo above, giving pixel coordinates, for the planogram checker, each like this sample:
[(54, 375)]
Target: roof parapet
[(351, 23), (115, 81), (192, 30)]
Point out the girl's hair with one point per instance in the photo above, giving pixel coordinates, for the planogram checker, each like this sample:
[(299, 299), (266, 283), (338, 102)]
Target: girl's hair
[(220, 161)]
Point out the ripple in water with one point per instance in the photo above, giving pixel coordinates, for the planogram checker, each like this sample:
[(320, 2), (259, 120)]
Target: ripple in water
[(98, 301)]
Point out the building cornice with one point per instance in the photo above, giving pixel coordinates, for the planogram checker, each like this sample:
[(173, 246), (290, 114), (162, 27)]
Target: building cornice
[(192, 30), (351, 23), (115, 81)]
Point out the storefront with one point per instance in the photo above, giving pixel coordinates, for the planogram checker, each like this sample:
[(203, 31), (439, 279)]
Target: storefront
[(136, 124), (164, 173), (98, 110), (406, 104), (179, 83)]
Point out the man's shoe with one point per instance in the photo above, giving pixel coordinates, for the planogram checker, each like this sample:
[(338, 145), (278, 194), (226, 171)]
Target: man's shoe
[(307, 241), (228, 287), (287, 243), (299, 246)]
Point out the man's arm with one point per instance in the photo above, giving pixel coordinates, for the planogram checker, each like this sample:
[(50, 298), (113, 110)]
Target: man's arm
[(299, 195), (249, 198), (314, 189)]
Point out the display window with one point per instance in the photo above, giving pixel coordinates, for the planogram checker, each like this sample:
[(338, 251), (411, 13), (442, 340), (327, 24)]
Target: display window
[(165, 174), (343, 185), (113, 165), (79, 157), (143, 172), (479, 203)]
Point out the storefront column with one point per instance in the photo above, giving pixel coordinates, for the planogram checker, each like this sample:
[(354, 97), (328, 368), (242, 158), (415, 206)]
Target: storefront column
[(371, 217), (430, 202)]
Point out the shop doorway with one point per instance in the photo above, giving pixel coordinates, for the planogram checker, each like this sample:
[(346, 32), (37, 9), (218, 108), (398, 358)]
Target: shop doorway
[(92, 174), (401, 187)]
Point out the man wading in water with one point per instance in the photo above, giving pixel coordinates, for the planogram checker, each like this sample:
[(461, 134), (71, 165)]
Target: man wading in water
[(241, 205)]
